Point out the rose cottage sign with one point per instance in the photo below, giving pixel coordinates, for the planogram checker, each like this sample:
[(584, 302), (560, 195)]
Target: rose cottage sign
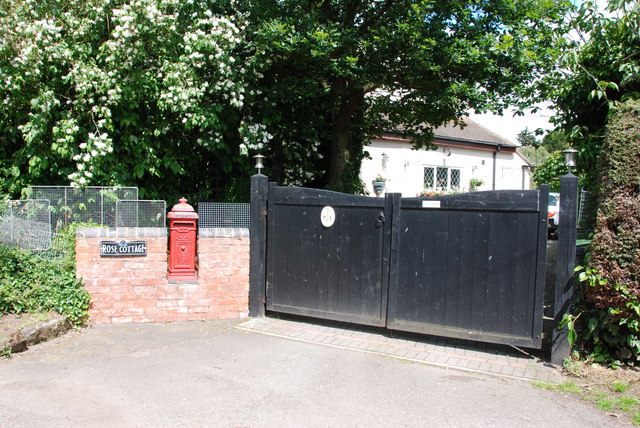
[(123, 248)]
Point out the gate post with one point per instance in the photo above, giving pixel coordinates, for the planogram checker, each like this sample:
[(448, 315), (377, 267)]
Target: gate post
[(565, 263), (258, 245)]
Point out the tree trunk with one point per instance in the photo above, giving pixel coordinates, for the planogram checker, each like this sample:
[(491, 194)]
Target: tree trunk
[(340, 144), (347, 99)]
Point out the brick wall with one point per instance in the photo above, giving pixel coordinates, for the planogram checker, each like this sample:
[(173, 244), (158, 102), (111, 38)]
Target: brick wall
[(135, 288)]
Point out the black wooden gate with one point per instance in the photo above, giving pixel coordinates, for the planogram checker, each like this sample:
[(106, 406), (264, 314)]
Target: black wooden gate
[(467, 266), (470, 266), (337, 272)]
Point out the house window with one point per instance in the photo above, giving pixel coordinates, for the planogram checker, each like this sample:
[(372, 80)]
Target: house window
[(429, 178), (441, 178), (454, 178)]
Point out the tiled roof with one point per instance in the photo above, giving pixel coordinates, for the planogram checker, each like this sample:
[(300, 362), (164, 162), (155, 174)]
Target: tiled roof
[(472, 132)]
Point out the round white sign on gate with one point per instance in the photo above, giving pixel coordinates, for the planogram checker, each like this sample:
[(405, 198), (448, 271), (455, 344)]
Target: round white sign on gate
[(328, 216)]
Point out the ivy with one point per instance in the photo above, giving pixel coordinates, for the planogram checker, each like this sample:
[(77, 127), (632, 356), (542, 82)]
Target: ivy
[(606, 335), (29, 283)]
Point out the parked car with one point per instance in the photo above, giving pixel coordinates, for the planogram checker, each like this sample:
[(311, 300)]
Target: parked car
[(553, 215)]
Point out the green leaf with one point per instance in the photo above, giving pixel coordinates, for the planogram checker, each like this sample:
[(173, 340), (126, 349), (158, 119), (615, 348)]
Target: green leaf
[(138, 170), (572, 337)]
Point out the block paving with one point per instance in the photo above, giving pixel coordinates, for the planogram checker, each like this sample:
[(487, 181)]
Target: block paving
[(497, 360)]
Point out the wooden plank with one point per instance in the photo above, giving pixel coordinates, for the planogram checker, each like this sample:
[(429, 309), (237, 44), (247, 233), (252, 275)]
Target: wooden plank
[(306, 196), (498, 230), (291, 243), (371, 254), (396, 244), (391, 199), (465, 284), (325, 258), (344, 263), (278, 258), (356, 263), (404, 301), (506, 253), (500, 200), (436, 261), (333, 316), (258, 245), (565, 265), (334, 256), (525, 275), (541, 264), (271, 250), (309, 252), (458, 333), (368, 252), (481, 237), (453, 249), (422, 253), (414, 279)]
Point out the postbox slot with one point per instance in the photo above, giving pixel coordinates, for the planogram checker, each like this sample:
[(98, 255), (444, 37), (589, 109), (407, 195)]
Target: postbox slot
[(182, 224)]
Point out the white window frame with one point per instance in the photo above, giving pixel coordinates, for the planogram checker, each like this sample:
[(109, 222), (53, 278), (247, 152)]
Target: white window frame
[(435, 177)]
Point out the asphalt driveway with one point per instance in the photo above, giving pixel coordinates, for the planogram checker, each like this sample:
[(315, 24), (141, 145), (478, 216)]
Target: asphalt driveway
[(213, 374)]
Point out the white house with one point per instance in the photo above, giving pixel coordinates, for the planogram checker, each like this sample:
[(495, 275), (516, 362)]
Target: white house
[(461, 155)]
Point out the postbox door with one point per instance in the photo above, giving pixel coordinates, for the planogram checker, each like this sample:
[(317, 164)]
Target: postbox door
[(183, 247)]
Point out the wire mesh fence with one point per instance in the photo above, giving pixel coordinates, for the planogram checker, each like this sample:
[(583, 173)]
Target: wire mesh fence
[(224, 215), (26, 224), (92, 204), (587, 212), (141, 213)]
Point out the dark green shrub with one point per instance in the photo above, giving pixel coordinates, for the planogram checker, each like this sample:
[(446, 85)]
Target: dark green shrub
[(65, 245), (29, 282), (612, 280), (615, 250), (609, 335)]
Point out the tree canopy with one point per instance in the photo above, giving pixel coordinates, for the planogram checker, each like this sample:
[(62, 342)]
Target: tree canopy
[(599, 67), (174, 95), (342, 71)]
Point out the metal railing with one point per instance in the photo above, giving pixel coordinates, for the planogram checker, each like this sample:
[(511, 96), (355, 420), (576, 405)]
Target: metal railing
[(26, 224), (141, 213), (587, 212), (91, 204), (224, 215)]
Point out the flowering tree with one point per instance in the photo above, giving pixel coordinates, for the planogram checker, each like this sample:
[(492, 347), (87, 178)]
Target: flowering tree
[(147, 92)]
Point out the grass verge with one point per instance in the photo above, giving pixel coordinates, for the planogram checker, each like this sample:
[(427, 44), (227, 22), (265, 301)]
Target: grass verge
[(614, 391)]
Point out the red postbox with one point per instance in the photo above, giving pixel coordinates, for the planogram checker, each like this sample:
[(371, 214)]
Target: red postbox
[(182, 242)]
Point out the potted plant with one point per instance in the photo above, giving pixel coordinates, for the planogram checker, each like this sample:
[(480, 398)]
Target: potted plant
[(379, 184), (474, 183)]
